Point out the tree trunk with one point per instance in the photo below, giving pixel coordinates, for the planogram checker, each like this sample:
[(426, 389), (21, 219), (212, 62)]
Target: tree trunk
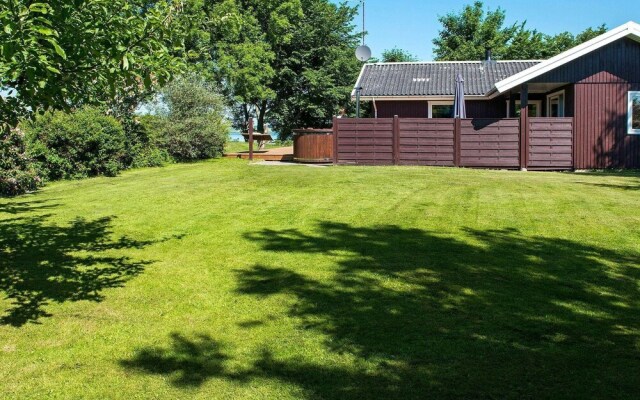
[(247, 115), (262, 110)]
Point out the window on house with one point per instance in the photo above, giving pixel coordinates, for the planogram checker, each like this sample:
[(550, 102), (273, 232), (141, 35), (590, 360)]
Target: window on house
[(634, 113), (535, 108), (555, 104), (441, 109)]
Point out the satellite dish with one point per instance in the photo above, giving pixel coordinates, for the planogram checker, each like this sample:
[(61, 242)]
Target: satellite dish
[(363, 53)]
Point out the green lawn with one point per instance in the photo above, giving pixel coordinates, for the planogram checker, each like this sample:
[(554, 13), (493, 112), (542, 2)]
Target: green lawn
[(224, 280)]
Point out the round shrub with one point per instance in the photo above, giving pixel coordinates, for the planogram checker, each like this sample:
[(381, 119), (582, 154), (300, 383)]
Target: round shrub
[(77, 145), (192, 125), (18, 173)]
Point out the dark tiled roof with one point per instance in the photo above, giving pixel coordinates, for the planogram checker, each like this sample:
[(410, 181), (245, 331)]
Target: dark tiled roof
[(436, 78)]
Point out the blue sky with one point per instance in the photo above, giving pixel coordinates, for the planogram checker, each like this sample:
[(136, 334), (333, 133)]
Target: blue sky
[(412, 24)]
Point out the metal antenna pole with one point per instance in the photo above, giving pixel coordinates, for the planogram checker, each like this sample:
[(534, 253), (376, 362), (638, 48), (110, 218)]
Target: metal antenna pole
[(363, 27)]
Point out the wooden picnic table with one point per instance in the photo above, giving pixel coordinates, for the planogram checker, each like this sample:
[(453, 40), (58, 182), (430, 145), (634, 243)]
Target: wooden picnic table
[(261, 138)]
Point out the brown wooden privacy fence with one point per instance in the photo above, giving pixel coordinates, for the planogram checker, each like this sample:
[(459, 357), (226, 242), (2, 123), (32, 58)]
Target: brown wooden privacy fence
[(426, 142), (364, 141), (490, 143), (545, 143), (550, 143)]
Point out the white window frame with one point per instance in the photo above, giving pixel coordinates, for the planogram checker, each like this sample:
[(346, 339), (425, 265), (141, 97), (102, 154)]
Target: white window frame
[(438, 103), (564, 102), (536, 102), (630, 129)]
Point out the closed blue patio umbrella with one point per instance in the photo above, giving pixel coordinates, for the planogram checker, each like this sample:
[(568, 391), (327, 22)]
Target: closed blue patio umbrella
[(459, 109)]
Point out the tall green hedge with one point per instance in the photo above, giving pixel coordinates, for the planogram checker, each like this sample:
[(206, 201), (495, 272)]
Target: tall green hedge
[(77, 145)]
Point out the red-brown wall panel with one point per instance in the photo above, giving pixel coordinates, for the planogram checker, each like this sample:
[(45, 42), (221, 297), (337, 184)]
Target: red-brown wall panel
[(601, 137), (420, 108)]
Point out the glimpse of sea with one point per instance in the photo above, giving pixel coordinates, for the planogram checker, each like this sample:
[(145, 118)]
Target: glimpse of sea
[(236, 136)]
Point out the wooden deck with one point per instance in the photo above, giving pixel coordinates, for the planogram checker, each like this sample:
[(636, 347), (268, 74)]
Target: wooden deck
[(277, 154)]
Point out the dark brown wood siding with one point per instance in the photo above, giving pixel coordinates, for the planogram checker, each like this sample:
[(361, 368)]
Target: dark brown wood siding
[(602, 80), (420, 108), (620, 61), (601, 134), (403, 109), (487, 109)]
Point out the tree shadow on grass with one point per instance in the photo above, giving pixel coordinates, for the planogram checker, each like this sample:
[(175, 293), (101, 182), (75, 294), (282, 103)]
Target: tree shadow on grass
[(191, 361), (18, 207), (494, 314), (630, 186), (489, 314), (42, 263)]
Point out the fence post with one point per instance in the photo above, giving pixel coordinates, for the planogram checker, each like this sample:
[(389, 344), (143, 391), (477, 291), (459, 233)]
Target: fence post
[(251, 139), (457, 132), (524, 138), (396, 140), (335, 139), (524, 126)]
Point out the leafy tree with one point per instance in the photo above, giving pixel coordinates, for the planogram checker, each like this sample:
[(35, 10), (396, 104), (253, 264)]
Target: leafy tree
[(192, 124), (243, 56), (58, 54), (564, 41), (398, 55), (316, 68), (466, 36), (289, 62)]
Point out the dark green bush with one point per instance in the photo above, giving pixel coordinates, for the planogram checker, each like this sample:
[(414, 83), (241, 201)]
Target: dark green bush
[(77, 145), (192, 126), (150, 156), (144, 143), (18, 173)]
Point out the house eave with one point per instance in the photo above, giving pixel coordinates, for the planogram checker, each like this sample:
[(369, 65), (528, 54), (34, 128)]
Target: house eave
[(630, 30)]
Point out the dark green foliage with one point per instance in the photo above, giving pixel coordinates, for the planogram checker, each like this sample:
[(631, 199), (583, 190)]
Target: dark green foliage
[(467, 34), (65, 53), (18, 174), (317, 68), (193, 125), (289, 63), (398, 55), (77, 145), (146, 143)]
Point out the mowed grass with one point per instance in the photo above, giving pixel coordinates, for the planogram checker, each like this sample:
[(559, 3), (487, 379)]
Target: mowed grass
[(224, 280)]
